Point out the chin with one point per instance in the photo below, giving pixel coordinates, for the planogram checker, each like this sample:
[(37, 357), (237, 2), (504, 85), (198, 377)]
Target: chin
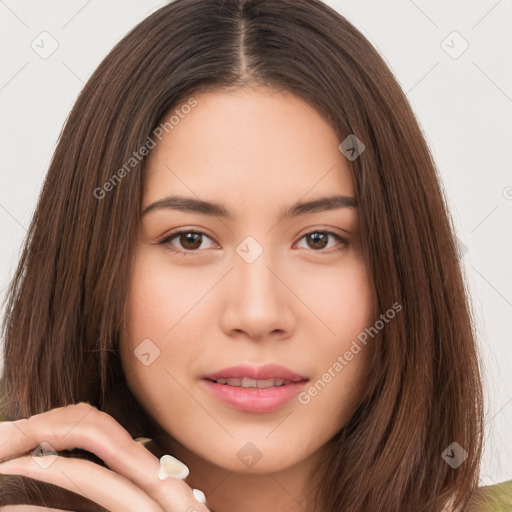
[(258, 456)]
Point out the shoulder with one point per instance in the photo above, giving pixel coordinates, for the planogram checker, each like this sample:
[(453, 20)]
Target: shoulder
[(493, 498)]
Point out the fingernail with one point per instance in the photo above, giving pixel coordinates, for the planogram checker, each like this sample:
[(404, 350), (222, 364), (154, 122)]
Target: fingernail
[(199, 495), (170, 466), (142, 440)]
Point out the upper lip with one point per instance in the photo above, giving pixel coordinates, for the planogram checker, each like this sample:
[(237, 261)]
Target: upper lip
[(267, 371)]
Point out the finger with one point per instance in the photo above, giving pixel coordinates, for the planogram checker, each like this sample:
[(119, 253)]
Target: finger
[(92, 481), (84, 426)]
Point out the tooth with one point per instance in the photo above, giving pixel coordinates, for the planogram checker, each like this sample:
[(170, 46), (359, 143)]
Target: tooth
[(246, 382), (249, 383)]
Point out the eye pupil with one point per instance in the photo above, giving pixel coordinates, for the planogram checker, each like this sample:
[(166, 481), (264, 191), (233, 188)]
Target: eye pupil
[(190, 238), (318, 238)]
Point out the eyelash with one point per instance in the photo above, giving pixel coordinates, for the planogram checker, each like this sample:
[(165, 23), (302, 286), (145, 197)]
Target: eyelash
[(166, 241)]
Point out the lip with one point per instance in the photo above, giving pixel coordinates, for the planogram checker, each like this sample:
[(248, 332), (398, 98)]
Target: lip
[(255, 400), (267, 371)]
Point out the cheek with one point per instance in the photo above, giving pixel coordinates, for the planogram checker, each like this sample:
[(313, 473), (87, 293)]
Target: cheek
[(342, 301), (161, 304), (158, 343), (157, 296), (341, 357)]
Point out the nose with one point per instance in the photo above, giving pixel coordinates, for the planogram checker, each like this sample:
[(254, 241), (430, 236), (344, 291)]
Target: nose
[(258, 302)]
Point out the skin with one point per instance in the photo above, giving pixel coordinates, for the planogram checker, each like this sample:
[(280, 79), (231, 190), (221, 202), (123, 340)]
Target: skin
[(300, 304)]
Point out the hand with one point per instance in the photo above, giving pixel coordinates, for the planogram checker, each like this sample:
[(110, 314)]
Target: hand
[(131, 483)]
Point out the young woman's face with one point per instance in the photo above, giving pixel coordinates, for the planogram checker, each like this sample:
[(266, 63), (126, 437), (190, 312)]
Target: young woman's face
[(253, 288)]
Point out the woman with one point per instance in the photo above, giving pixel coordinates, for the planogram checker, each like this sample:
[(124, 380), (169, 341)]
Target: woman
[(242, 254)]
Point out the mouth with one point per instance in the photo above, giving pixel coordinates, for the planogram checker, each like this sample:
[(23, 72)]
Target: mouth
[(252, 383), (256, 390)]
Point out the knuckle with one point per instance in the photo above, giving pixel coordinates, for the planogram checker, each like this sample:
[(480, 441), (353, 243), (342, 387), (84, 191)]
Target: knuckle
[(72, 412), (24, 422), (112, 426), (168, 489), (52, 434), (105, 417), (81, 412), (82, 407), (200, 507), (176, 490)]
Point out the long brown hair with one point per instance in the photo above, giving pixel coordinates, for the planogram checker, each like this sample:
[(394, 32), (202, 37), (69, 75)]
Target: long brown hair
[(66, 301)]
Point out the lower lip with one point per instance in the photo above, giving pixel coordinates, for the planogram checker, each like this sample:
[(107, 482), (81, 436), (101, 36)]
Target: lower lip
[(255, 399)]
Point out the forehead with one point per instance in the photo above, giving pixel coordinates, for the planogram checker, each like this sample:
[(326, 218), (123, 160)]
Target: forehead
[(248, 147)]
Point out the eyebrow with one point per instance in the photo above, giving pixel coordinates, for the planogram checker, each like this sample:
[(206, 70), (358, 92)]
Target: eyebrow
[(190, 204)]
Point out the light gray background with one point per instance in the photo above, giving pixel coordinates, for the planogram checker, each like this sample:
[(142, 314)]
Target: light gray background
[(464, 105)]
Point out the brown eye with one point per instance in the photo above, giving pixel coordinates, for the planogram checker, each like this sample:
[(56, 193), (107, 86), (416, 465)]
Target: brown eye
[(319, 239), (190, 241)]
